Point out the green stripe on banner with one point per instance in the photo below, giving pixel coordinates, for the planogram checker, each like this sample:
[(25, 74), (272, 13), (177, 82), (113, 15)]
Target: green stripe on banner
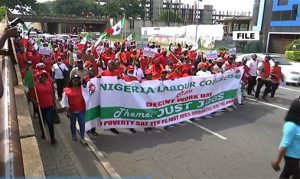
[(155, 113)]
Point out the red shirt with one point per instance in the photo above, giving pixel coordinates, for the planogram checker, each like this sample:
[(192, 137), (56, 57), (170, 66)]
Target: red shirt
[(267, 69), (110, 73), (156, 71), (174, 75), (75, 99), (44, 93), (276, 74), (21, 60), (35, 59), (163, 60), (129, 78)]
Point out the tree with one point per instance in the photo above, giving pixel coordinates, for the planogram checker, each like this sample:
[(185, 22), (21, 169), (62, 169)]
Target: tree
[(2, 12), (22, 6), (75, 7), (43, 8), (171, 16), (117, 8)]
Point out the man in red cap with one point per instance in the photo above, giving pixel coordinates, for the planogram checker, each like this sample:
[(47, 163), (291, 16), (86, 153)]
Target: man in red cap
[(129, 77), (156, 69), (35, 58), (203, 72), (176, 73), (108, 55), (163, 58), (46, 101), (111, 71)]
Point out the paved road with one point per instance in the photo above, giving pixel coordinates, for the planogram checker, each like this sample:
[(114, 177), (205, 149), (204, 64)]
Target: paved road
[(253, 133)]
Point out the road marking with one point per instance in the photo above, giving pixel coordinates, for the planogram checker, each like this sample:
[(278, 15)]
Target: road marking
[(207, 130), (289, 89), (269, 104)]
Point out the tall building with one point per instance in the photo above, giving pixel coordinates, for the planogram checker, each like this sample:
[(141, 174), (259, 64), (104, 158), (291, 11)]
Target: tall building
[(278, 21), (189, 12)]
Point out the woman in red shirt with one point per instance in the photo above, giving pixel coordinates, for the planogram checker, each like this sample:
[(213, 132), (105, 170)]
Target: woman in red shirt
[(44, 90), (74, 104)]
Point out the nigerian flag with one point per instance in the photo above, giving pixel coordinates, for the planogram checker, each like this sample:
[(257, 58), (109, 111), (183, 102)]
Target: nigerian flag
[(28, 79)]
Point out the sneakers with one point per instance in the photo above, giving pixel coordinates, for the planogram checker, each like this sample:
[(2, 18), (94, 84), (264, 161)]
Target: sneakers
[(94, 133), (83, 142), (115, 131), (132, 130)]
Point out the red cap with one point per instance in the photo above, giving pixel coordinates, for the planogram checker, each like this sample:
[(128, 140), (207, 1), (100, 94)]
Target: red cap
[(42, 72), (87, 64), (130, 68)]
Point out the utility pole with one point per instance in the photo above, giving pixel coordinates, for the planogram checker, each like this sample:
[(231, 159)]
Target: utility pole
[(196, 10)]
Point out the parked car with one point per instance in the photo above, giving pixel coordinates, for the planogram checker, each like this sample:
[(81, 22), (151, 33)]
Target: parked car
[(290, 70), (63, 36)]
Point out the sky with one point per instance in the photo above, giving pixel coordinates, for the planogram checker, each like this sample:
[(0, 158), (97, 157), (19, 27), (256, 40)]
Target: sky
[(222, 5)]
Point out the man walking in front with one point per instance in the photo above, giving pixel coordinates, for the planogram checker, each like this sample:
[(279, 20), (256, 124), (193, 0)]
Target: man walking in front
[(263, 78)]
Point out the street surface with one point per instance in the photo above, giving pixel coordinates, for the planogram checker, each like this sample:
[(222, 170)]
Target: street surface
[(237, 144), (253, 133)]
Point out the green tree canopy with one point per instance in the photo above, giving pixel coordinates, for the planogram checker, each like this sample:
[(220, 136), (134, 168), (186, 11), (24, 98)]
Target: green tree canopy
[(294, 46), (2, 12), (117, 8), (75, 7), (23, 6)]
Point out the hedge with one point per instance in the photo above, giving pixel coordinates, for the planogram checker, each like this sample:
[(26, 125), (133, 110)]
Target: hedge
[(293, 55)]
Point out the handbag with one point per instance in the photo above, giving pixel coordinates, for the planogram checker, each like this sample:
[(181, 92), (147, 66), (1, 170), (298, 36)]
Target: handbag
[(55, 117), (64, 72)]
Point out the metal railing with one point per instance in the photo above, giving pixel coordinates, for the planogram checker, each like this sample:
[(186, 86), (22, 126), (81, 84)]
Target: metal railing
[(11, 162)]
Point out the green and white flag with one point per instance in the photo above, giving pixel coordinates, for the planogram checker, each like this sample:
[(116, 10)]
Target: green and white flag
[(113, 103), (130, 37)]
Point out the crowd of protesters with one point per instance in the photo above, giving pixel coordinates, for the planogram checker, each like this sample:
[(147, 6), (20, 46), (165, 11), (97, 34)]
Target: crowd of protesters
[(69, 66)]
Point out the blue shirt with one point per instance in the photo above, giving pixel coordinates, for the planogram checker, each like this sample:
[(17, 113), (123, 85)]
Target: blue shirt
[(291, 139)]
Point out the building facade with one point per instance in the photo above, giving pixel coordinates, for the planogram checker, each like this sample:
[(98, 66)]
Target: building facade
[(278, 21)]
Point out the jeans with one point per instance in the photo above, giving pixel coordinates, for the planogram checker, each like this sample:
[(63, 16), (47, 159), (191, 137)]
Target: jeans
[(251, 84), (60, 84), (80, 116), (260, 83), (291, 168), (47, 114)]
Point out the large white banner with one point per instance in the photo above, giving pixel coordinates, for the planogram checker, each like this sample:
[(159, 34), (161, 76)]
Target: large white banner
[(114, 103)]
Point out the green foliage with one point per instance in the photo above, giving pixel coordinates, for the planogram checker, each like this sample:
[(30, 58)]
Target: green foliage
[(74, 7), (293, 55), (117, 8), (222, 49), (295, 45), (22, 6), (2, 12), (171, 16)]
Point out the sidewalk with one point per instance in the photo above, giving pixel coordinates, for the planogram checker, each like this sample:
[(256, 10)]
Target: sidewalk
[(68, 157)]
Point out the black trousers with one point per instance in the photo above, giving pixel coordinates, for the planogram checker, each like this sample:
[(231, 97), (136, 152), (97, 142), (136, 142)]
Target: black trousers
[(47, 114), (251, 84), (260, 84), (291, 168), (274, 87), (60, 84)]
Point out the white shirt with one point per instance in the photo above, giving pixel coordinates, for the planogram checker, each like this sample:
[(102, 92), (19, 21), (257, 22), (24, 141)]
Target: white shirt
[(253, 67), (203, 73), (138, 73), (58, 73)]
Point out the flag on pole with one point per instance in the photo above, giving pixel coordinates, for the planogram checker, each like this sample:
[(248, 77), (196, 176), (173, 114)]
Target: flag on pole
[(82, 43), (28, 79), (130, 37), (102, 36), (37, 44), (116, 29)]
